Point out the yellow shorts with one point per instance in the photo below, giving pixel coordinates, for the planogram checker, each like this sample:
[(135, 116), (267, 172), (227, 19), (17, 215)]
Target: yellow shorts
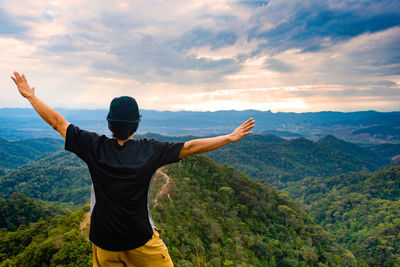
[(152, 254)]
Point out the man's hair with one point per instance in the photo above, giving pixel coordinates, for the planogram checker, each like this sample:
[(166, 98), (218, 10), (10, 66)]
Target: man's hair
[(122, 130)]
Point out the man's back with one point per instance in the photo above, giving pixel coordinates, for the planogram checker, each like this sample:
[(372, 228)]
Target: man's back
[(121, 177)]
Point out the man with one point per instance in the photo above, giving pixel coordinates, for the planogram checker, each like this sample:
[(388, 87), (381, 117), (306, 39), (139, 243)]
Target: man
[(122, 231)]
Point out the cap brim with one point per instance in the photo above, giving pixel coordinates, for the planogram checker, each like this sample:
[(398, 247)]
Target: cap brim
[(125, 120)]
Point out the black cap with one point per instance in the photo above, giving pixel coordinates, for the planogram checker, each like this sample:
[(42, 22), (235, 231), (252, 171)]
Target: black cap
[(124, 108)]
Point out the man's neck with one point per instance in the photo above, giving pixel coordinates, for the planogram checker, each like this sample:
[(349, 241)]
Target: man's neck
[(122, 142)]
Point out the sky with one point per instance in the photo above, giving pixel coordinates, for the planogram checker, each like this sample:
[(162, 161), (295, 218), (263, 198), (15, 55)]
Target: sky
[(291, 56)]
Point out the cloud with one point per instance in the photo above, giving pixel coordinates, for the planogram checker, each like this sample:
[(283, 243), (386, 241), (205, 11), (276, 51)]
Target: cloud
[(148, 60), (314, 25), (277, 65), (205, 54), (9, 26), (203, 37)]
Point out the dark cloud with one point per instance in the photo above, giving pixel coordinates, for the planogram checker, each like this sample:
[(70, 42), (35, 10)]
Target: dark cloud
[(313, 21), (375, 92), (279, 66), (382, 83), (62, 43), (384, 52), (381, 71), (371, 56), (120, 21), (9, 26), (380, 92), (254, 3), (200, 37), (385, 83)]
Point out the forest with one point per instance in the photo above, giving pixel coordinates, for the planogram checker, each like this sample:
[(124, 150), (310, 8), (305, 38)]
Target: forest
[(362, 209), (212, 215), (339, 205)]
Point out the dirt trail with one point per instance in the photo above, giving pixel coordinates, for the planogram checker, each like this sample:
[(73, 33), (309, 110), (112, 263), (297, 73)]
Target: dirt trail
[(85, 224), (165, 187)]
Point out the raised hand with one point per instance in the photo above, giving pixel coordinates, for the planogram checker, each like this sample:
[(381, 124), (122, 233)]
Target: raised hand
[(242, 130), (23, 87)]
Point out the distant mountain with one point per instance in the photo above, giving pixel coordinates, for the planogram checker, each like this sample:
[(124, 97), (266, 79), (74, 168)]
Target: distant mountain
[(388, 150), (42, 145), (258, 138), (384, 132), (388, 119), (283, 162), (285, 134), (264, 138), (375, 161), (361, 209), (16, 124)]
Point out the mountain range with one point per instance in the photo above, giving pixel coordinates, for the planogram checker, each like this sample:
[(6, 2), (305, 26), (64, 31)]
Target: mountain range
[(281, 162), (363, 127)]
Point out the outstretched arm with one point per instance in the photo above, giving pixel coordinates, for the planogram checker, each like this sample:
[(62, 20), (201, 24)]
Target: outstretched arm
[(52, 117), (198, 146)]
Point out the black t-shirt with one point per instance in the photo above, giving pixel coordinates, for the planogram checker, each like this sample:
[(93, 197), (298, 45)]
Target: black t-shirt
[(121, 177)]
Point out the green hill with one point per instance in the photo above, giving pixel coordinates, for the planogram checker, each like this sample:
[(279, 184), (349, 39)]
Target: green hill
[(215, 215), (61, 176), (42, 145), (282, 163), (361, 209), (17, 153), (54, 242), (265, 157), (383, 184), (20, 209), (13, 155), (373, 160), (386, 150)]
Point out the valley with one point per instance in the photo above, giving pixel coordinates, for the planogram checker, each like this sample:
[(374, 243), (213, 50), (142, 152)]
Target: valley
[(338, 204)]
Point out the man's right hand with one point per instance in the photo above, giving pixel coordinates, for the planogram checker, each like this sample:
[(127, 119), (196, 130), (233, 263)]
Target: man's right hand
[(23, 87), (52, 117)]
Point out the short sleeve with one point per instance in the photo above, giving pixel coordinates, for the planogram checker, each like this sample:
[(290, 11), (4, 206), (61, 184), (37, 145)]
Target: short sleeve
[(79, 142), (166, 152)]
